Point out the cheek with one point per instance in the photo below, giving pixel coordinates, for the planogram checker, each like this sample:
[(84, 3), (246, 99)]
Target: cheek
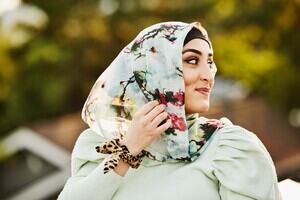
[(190, 77)]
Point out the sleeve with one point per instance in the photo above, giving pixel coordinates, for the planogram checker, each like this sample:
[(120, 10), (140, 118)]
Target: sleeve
[(243, 167), (87, 179)]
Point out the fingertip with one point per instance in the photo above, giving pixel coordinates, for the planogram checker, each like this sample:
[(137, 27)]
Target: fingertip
[(156, 102), (169, 122), (150, 104)]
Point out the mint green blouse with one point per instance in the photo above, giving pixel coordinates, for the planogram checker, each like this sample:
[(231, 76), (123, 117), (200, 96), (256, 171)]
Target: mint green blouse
[(233, 165)]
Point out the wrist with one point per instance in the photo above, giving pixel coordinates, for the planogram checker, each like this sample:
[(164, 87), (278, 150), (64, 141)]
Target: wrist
[(119, 152), (122, 168), (131, 148)]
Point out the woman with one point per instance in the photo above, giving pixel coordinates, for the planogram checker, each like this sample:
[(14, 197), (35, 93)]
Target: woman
[(146, 138)]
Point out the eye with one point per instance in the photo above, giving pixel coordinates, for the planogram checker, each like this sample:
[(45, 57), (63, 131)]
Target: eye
[(192, 61), (210, 62)]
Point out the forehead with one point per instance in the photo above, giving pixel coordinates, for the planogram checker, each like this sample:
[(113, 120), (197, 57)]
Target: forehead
[(198, 44)]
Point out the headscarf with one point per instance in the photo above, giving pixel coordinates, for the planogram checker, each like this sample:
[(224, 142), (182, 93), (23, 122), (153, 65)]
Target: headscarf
[(150, 68)]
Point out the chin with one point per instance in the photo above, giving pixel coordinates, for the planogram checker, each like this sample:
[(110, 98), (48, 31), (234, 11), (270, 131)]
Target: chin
[(203, 108)]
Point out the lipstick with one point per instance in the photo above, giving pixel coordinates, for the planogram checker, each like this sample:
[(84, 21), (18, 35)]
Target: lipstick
[(203, 90)]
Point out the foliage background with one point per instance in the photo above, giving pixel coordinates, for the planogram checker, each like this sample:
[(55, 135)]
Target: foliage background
[(49, 61)]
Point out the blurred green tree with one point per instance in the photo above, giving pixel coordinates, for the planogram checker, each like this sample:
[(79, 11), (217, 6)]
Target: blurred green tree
[(256, 42)]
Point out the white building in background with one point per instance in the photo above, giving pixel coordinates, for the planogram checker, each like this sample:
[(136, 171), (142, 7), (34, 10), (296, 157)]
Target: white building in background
[(289, 189), (31, 167)]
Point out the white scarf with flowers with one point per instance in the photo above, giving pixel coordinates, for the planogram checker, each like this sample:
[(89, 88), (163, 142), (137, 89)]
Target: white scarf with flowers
[(150, 68)]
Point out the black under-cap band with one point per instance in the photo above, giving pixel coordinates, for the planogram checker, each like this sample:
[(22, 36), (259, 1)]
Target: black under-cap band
[(193, 34)]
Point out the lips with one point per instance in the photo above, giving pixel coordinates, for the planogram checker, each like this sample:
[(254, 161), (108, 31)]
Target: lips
[(203, 90)]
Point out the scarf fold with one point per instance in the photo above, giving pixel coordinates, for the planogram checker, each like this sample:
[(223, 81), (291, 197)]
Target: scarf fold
[(150, 68)]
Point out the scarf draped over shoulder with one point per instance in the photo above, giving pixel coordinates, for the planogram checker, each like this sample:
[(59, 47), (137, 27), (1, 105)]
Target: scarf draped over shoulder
[(150, 68)]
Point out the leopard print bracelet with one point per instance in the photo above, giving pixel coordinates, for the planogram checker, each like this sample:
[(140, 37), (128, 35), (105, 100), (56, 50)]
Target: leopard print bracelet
[(118, 152)]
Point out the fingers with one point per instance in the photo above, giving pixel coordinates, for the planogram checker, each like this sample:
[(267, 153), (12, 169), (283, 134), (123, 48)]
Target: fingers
[(162, 128), (158, 119), (151, 116), (146, 108), (154, 112)]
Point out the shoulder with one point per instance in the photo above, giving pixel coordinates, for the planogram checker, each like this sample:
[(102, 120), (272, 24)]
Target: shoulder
[(241, 162), (236, 139), (237, 142)]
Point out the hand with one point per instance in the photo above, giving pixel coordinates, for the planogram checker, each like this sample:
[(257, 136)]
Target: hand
[(146, 126)]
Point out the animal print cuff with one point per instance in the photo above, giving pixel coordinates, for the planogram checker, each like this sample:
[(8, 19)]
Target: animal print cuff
[(118, 152)]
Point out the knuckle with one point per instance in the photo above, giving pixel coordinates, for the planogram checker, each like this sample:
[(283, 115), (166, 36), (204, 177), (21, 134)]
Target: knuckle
[(167, 125), (161, 107), (155, 133), (152, 127), (155, 102), (147, 128), (152, 134), (164, 115), (159, 131), (144, 123), (151, 104)]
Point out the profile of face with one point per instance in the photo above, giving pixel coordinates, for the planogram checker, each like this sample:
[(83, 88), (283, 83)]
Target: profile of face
[(198, 74)]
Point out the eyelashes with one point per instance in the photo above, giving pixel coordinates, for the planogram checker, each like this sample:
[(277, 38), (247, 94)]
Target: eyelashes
[(192, 61), (195, 61)]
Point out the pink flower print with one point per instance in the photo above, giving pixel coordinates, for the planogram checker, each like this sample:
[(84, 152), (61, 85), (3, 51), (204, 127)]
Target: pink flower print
[(179, 98), (167, 25), (215, 123), (138, 41), (177, 122), (162, 98), (174, 98)]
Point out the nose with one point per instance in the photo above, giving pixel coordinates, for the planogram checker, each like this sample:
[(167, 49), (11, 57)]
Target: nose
[(205, 73)]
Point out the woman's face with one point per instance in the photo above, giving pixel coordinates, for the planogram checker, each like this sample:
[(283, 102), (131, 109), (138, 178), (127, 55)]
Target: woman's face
[(198, 74)]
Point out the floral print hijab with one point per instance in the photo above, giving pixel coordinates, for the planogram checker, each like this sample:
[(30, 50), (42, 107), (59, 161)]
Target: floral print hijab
[(150, 68)]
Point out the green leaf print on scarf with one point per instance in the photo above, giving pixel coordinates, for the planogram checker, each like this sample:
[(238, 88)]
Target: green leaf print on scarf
[(150, 68)]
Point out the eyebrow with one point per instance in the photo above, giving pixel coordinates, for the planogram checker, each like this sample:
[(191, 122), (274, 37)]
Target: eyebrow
[(195, 51)]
